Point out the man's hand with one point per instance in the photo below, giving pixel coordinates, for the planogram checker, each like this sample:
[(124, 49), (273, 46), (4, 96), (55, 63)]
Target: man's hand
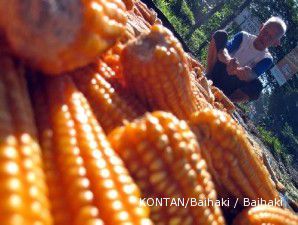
[(244, 73), (232, 66), (224, 56)]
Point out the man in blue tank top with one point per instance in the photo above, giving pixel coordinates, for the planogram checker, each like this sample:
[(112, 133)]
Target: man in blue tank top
[(234, 66)]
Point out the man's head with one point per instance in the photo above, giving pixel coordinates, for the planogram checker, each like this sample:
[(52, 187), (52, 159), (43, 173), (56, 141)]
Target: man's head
[(270, 33)]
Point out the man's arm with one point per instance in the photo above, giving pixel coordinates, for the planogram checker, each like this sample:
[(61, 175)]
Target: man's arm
[(247, 74), (218, 42), (234, 44), (262, 66)]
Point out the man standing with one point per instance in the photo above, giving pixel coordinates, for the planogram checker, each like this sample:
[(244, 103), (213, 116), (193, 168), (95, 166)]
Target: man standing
[(234, 66)]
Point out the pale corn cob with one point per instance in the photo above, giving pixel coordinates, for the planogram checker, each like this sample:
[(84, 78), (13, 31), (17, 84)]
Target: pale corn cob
[(235, 167), (264, 214), (155, 68), (203, 82), (201, 91), (98, 188), (149, 15), (136, 25), (164, 158), (73, 33), (195, 65), (219, 106), (23, 191), (108, 106), (220, 97)]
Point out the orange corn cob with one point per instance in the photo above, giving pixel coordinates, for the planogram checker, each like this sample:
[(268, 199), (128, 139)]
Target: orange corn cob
[(263, 214), (73, 32), (116, 81), (112, 59), (115, 78), (129, 4), (23, 191), (96, 184), (164, 158), (230, 157), (155, 67), (224, 100), (59, 205), (109, 107)]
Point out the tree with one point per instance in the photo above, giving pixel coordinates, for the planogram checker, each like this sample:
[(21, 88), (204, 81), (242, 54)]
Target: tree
[(225, 22), (201, 19)]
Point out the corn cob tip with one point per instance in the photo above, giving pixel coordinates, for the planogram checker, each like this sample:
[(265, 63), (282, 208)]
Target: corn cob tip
[(70, 34), (264, 214)]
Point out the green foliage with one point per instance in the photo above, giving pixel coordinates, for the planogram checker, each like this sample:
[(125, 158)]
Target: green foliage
[(244, 108), (271, 140), (175, 18), (275, 144)]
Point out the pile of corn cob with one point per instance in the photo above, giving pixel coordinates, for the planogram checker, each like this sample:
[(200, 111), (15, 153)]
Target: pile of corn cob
[(100, 107)]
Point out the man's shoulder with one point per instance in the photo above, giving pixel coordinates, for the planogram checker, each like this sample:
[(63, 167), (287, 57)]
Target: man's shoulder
[(267, 54), (247, 36)]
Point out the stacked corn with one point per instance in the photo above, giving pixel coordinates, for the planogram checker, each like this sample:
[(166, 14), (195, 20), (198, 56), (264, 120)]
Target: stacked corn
[(231, 160), (263, 214), (156, 69), (94, 184), (163, 156), (23, 195), (110, 108), (76, 177), (70, 34)]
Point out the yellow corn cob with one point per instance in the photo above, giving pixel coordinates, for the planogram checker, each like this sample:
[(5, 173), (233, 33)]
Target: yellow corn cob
[(73, 33), (164, 158), (115, 78), (264, 214), (116, 81), (59, 205), (231, 160), (97, 187), (155, 67), (109, 107), (23, 191)]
